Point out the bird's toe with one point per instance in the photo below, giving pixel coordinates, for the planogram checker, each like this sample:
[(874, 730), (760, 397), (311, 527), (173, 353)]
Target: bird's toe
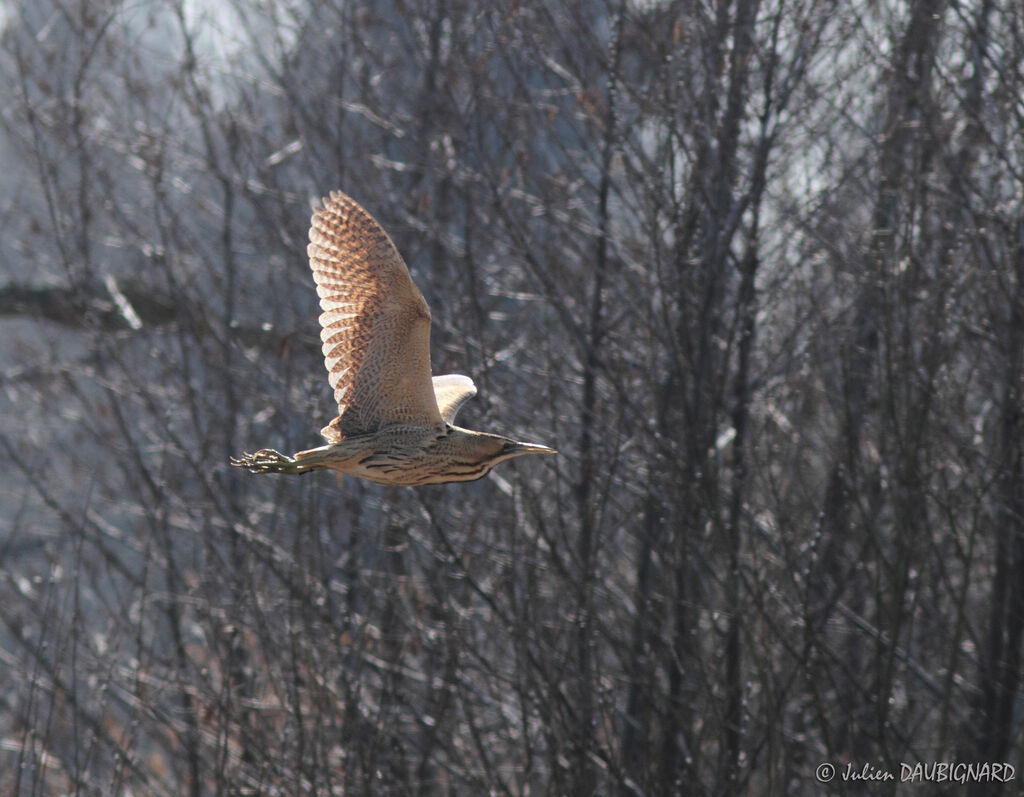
[(262, 461)]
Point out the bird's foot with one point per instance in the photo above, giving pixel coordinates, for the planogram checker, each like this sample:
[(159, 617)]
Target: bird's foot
[(266, 460)]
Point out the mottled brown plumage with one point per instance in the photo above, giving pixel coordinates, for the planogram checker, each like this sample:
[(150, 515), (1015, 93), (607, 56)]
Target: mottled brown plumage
[(395, 421)]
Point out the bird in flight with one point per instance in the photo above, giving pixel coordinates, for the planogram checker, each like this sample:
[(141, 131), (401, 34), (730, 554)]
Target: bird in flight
[(396, 423)]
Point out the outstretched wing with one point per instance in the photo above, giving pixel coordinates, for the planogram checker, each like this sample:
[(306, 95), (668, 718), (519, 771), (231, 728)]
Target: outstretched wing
[(375, 323), (452, 391)]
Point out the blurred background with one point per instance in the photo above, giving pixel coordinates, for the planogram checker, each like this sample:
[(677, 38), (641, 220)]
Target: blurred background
[(755, 267)]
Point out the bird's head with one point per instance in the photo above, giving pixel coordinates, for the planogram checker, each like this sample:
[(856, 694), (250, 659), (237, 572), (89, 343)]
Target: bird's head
[(487, 450)]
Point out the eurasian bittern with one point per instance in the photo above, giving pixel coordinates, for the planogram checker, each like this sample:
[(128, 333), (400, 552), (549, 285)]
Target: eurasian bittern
[(395, 423)]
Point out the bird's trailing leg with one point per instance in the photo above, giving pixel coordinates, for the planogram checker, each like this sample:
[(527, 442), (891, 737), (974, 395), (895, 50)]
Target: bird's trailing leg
[(266, 460)]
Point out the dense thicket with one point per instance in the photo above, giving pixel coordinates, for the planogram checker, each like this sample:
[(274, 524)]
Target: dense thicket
[(756, 268)]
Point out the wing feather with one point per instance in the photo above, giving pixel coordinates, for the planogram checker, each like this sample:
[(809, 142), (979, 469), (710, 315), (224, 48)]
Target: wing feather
[(452, 391), (375, 324)]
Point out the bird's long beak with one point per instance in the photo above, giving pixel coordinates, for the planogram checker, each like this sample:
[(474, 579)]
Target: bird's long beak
[(529, 448)]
